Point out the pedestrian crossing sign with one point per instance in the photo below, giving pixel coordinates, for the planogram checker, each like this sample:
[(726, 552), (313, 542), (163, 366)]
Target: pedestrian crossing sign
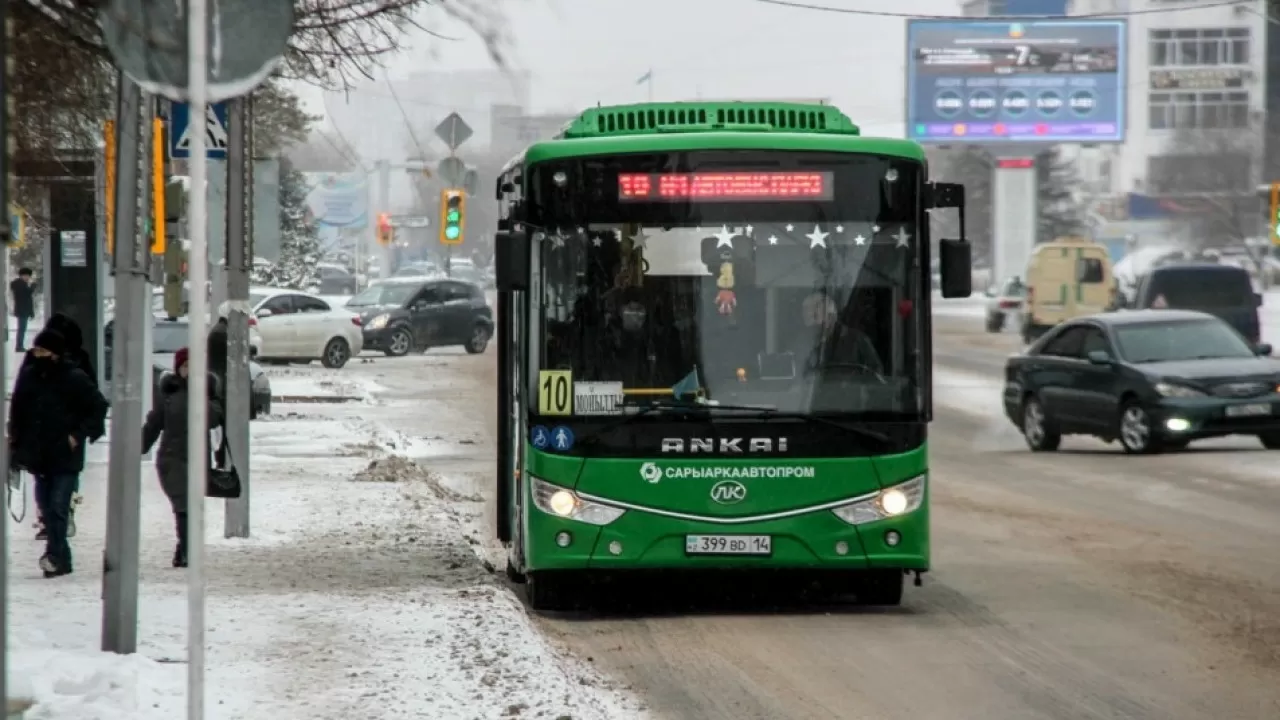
[(214, 126)]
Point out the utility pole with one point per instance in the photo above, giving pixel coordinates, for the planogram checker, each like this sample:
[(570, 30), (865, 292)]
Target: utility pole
[(6, 238), (238, 260), (384, 201), (198, 376), (124, 490)]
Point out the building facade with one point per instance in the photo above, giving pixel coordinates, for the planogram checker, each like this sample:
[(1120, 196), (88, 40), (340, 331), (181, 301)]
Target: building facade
[(1197, 100)]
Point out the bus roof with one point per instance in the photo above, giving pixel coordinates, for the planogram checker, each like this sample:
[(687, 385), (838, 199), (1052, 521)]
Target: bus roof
[(679, 126)]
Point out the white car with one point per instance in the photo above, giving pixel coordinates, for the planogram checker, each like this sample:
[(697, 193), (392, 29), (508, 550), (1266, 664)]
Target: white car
[(303, 327)]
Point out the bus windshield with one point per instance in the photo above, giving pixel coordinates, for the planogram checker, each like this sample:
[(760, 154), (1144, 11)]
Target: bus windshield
[(814, 312)]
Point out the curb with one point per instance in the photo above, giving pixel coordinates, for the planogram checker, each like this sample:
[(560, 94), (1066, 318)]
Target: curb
[(315, 399)]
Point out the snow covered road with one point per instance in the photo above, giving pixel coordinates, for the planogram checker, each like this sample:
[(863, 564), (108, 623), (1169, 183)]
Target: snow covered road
[(360, 594)]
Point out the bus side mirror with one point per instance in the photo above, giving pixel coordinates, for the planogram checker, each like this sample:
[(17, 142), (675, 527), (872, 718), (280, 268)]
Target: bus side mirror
[(955, 269), (511, 260)]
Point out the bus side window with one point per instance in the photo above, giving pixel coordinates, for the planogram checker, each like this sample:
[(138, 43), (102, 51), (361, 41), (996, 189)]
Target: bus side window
[(1089, 270)]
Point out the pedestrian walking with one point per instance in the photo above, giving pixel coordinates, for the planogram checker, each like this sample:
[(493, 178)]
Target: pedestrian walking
[(55, 412), (24, 305), (219, 342), (75, 354), (167, 422)]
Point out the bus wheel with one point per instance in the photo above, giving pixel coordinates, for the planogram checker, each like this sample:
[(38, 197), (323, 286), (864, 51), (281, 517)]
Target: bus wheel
[(548, 590), (881, 587)]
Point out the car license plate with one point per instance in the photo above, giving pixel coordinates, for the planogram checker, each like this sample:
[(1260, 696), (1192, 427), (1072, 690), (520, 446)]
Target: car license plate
[(728, 545), (1248, 410)]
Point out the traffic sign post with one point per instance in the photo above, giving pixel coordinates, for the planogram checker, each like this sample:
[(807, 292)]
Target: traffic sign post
[(215, 129), (451, 170), (454, 131)]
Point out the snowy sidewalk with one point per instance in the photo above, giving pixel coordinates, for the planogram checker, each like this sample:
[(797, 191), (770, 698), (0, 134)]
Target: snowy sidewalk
[(354, 598)]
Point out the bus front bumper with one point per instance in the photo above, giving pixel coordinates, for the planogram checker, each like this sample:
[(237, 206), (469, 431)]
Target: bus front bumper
[(816, 540)]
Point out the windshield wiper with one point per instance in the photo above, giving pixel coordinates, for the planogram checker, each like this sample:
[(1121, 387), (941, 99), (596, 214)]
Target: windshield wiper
[(707, 409), (643, 407)]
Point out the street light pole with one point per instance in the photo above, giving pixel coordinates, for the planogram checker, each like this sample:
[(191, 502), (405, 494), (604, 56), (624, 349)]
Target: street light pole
[(198, 376)]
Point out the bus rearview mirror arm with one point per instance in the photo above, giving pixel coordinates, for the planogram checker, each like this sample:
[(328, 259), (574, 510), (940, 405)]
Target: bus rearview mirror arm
[(511, 260), (955, 257)]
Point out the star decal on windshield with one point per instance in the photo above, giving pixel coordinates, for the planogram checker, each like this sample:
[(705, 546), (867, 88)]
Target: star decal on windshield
[(817, 238), (639, 239), (724, 238), (903, 237)]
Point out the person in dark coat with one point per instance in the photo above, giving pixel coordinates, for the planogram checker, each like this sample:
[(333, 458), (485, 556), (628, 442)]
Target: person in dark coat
[(70, 331), (219, 345), (56, 411), (167, 422), (24, 305), (75, 354)]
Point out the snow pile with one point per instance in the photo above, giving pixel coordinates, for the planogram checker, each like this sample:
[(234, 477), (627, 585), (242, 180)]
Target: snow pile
[(393, 468), (398, 469), (326, 385), (91, 685)]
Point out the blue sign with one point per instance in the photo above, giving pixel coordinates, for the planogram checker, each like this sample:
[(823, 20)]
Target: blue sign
[(214, 127), (562, 438), (1039, 81), (540, 437)]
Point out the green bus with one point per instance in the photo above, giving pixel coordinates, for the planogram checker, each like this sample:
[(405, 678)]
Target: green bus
[(714, 347)]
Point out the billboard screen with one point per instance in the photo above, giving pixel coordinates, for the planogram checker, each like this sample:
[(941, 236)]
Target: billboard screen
[(1043, 80)]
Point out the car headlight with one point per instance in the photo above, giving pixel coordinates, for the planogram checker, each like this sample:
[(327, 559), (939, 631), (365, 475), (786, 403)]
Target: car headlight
[(379, 322), (890, 502), (1169, 389), (565, 503)]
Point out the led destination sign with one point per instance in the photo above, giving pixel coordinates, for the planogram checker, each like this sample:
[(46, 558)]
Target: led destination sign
[(724, 186)]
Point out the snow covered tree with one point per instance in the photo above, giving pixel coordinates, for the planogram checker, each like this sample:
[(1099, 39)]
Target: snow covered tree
[(299, 243), (1060, 213)]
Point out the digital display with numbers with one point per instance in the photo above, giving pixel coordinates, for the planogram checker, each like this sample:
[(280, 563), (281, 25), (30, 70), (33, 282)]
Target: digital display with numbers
[(724, 186), (1041, 80)]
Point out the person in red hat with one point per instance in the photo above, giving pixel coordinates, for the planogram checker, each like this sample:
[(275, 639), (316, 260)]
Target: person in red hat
[(167, 422)]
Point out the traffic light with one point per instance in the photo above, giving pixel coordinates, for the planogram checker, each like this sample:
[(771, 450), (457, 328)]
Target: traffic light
[(453, 211), (158, 196), (386, 231), (1273, 216), (175, 272)]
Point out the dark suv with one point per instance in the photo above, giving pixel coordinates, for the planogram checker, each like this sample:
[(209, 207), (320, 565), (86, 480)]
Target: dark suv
[(334, 280), (1222, 290), (399, 316)]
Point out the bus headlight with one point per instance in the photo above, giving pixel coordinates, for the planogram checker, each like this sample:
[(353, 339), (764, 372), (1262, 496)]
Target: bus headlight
[(894, 501), (565, 503)]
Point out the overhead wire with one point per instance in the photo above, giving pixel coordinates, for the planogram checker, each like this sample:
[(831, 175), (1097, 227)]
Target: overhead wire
[(798, 5), (404, 114)]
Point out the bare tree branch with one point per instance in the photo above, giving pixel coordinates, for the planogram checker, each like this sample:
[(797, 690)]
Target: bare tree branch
[(334, 41)]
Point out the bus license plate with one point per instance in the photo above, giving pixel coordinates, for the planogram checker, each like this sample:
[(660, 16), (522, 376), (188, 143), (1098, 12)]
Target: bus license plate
[(1248, 410), (728, 545)]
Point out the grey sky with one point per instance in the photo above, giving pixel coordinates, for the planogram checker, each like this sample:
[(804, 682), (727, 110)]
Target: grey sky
[(586, 51)]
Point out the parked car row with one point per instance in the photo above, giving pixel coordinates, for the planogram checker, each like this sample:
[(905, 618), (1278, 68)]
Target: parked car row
[(1071, 278), (167, 337)]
